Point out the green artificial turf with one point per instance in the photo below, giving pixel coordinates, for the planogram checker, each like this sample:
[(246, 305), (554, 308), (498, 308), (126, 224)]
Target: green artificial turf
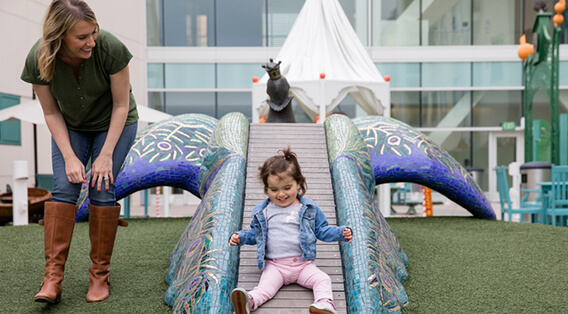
[(456, 265), (138, 268), (467, 265)]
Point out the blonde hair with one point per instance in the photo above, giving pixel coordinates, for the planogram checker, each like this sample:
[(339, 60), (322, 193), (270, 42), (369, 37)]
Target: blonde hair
[(61, 16)]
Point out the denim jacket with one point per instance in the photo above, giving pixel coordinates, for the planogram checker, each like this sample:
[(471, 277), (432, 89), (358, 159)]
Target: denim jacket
[(313, 226)]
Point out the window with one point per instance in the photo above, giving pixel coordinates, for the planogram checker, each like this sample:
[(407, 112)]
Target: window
[(10, 133), (498, 74), (396, 23), (446, 74), (446, 23), (186, 23), (496, 22), (401, 74)]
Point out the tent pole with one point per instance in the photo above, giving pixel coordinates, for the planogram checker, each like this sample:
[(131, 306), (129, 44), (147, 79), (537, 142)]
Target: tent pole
[(323, 109)]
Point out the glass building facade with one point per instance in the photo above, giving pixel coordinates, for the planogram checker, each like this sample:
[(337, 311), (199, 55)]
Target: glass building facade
[(452, 63)]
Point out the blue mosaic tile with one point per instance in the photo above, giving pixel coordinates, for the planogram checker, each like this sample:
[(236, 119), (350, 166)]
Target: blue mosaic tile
[(166, 153), (400, 153)]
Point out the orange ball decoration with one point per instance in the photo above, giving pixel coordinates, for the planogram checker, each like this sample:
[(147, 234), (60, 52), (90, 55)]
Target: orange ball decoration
[(559, 7), (525, 50), (255, 79), (322, 75), (387, 78), (558, 19)]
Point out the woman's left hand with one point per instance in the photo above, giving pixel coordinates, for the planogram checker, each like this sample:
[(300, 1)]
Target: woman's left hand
[(101, 171)]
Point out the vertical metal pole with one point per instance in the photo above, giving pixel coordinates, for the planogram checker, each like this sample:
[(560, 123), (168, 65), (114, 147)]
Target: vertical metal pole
[(146, 203), (528, 95), (554, 111), (126, 207)]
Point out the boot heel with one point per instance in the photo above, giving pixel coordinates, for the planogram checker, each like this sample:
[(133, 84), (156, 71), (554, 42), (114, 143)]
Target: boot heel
[(48, 300)]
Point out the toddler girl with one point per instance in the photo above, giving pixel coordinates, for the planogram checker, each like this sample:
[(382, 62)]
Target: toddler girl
[(285, 228)]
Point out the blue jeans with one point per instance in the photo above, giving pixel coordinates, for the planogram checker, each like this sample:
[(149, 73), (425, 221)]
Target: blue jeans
[(87, 147)]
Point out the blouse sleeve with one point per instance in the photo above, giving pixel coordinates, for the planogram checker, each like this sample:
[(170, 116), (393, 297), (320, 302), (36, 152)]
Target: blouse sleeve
[(30, 72), (116, 54)]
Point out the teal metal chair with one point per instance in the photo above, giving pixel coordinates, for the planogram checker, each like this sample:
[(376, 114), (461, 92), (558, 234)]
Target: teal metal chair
[(400, 194), (533, 208), (557, 197)]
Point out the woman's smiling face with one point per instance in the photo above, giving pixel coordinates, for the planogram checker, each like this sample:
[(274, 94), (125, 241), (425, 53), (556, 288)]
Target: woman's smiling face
[(79, 41)]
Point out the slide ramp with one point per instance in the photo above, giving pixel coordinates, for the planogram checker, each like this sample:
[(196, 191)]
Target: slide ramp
[(308, 141)]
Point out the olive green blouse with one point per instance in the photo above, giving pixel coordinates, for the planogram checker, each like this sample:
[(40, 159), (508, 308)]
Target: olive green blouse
[(86, 101)]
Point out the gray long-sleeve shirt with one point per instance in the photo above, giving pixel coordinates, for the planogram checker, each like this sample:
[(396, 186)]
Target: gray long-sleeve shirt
[(283, 231)]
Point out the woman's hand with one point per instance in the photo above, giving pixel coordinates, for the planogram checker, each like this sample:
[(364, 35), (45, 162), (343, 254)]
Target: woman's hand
[(347, 234), (235, 239), (101, 171), (75, 170)]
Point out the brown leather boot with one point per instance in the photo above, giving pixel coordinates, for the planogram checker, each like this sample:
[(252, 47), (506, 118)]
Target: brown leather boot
[(58, 222), (103, 223)]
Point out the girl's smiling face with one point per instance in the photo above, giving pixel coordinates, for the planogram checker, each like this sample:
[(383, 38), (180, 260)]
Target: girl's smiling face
[(79, 41), (282, 190)]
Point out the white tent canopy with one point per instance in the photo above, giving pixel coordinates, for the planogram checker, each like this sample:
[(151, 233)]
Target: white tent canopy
[(323, 41), (31, 112)]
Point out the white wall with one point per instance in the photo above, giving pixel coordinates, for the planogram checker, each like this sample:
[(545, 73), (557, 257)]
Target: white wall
[(20, 27)]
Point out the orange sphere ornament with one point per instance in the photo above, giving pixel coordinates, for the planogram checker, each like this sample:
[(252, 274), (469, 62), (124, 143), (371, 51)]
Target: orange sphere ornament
[(559, 7), (525, 49), (322, 75), (255, 79), (387, 78), (558, 19)]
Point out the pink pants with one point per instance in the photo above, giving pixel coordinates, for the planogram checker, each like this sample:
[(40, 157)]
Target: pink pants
[(283, 271)]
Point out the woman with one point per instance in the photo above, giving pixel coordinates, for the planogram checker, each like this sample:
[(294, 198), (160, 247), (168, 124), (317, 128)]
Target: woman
[(81, 78)]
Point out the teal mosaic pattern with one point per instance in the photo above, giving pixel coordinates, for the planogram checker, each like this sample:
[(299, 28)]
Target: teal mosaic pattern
[(400, 153), (203, 270), (374, 264)]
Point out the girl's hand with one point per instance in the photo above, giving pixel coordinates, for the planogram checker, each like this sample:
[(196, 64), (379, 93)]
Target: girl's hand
[(347, 234), (235, 239)]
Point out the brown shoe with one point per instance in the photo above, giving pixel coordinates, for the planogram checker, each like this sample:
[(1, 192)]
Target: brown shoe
[(103, 223), (58, 222)]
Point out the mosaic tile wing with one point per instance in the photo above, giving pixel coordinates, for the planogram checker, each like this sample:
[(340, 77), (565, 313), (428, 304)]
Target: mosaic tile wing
[(400, 153), (167, 153)]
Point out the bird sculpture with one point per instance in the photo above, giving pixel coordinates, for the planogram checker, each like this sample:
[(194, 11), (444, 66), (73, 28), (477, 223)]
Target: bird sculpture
[(277, 87), (540, 5)]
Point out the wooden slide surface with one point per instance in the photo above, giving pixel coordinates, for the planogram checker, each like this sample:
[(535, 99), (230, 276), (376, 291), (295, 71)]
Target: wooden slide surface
[(309, 143)]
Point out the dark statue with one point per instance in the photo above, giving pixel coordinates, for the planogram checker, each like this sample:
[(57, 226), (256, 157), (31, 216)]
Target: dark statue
[(277, 87), (540, 5)]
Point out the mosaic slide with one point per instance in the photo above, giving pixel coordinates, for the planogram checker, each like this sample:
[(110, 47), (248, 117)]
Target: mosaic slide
[(208, 158)]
